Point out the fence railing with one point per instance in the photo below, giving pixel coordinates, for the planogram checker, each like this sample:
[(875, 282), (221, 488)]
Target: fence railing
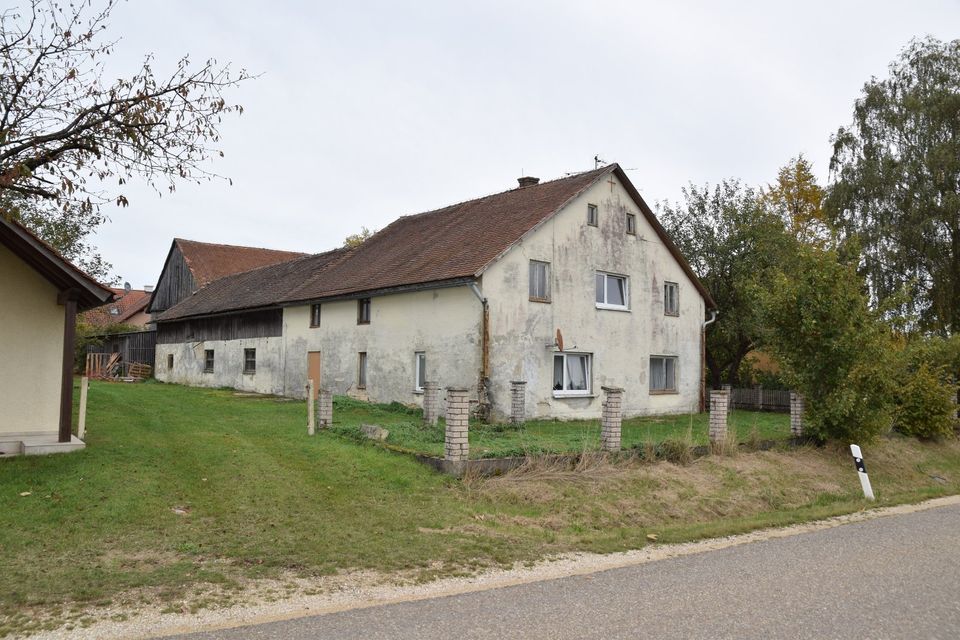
[(761, 399)]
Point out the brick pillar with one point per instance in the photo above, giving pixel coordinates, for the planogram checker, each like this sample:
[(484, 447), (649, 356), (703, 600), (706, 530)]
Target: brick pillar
[(796, 414), (611, 418), (718, 416), (325, 408), (431, 402), (729, 389), (518, 395), (456, 443)]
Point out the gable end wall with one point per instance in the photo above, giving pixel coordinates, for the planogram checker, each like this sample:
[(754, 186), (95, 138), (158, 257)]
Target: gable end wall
[(621, 342)]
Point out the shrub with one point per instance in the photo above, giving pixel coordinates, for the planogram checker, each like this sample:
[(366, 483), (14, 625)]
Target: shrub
[(832, 347), (926, 409)]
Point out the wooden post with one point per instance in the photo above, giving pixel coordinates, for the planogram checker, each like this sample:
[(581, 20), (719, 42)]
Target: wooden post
[(311, 418), (82, 418), (69, 301)]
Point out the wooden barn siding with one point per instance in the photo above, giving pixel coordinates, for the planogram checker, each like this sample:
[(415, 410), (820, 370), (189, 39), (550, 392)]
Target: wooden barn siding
[(253, 324), (176, 283), (139, 346)]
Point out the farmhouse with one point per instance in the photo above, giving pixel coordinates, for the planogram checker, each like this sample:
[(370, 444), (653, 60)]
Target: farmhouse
[(41, 295), (567, 285)]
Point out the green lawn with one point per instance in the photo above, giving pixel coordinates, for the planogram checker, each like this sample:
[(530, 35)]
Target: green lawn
[(186, 490), (407, 431)]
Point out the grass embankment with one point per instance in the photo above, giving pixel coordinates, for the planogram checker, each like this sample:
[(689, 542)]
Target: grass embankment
[(184, 494), (407, 431)]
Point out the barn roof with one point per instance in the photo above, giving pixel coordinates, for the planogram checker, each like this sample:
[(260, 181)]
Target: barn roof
[(445, 246), (56, 269), (209, 262)]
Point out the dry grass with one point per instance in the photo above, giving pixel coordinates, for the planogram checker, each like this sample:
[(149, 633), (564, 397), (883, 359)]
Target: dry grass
[(604, 502)]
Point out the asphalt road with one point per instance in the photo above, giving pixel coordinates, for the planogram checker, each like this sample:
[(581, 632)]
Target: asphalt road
[(892, 577)]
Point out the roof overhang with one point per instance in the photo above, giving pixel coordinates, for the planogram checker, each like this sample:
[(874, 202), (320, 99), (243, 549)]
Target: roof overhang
[(43, 259)]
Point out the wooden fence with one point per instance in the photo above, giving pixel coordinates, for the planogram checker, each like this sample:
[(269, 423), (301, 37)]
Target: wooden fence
[(760, 399), (134, 346)]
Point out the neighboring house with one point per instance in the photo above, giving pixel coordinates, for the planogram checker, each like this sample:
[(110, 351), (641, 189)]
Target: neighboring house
[(191, 265), (470, 295), (41, 294), (128, 307)]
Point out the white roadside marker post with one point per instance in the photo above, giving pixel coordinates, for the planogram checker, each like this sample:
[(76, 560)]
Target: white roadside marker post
[(862, 471), (82, 418), (311, 419)]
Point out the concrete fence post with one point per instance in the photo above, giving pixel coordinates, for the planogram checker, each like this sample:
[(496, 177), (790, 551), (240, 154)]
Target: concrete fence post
[(719, 401), (311, 417), (325, 408), (518, 395), (431, 402), (611, 418), (796, 414), (456, 437)]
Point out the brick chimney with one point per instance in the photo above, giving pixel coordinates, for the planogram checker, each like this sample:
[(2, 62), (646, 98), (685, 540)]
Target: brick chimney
[(528, 181)]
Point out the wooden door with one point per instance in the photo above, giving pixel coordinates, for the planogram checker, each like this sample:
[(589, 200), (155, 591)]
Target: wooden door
[(313, 371)]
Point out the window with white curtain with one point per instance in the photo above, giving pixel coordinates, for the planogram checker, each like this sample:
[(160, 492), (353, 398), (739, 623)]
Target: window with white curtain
[(613, 291), (671, 298), (539, 281), (421, 366), (571, 374), (663, 373)]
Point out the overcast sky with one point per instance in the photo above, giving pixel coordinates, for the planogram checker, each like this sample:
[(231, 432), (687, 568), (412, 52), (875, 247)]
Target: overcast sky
[(367, 111)]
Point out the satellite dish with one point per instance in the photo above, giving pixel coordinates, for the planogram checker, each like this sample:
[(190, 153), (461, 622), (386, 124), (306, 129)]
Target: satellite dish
[(126, 287), (559, 340)]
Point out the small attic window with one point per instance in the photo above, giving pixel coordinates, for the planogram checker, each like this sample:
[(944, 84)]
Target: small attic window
[(593, 217), (114, 310), (632, 224)]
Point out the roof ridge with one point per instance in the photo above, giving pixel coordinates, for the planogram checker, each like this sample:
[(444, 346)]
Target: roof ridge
[(570, 176)]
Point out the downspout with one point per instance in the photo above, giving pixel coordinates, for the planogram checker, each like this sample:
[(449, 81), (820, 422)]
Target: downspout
[(482, 392), (703, 358)]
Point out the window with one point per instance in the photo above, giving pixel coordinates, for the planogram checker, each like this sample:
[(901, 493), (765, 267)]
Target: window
[(314, 315), (169, 362), (539, 281), (208, 361), (571, 374), (421, 366), (612, 291), (363, 311), (671, 298), (663, 374), (249, 360), (632, 224), (362, 370), (593, 218)]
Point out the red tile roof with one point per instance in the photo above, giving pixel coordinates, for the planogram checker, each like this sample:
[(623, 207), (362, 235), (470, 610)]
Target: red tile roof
[(209, 262), (446, 245), (126, 304)]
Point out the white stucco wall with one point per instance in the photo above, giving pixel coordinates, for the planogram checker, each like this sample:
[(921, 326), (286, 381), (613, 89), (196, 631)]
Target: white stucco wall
[(31, 349), (621, 342), (188, 363), (443, 323)]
